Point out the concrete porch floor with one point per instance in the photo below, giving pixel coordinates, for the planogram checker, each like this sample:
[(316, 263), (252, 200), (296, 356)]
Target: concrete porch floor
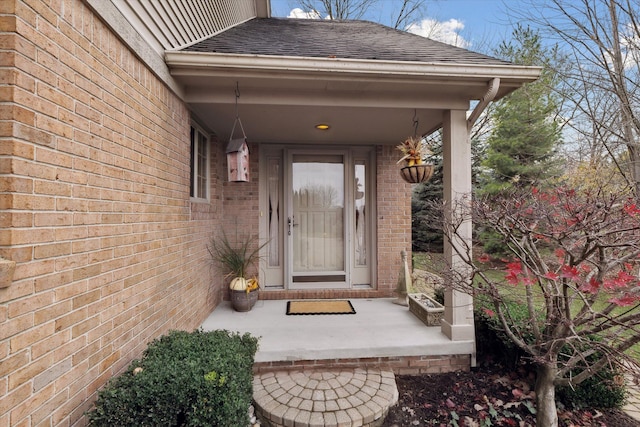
[(379, 329), (336, 370)]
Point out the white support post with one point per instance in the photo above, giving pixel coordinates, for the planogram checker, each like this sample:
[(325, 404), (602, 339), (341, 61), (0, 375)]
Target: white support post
[(458, 315)]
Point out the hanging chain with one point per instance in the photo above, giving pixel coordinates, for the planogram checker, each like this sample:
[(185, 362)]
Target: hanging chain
[(237, 97), (237, 120)]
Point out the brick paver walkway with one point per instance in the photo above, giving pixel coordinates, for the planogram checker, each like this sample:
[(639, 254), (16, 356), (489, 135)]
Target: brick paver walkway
[(359, 397), (632, 407)]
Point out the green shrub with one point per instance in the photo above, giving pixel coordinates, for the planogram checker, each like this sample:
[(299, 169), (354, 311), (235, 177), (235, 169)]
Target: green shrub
[(438, 294), (492, 243), (492, 342), (606, 389), (603, 390), (184, 379)]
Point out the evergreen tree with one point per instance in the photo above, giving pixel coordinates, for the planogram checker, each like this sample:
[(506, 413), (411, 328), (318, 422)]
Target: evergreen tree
[(425, 236), (526, 134)]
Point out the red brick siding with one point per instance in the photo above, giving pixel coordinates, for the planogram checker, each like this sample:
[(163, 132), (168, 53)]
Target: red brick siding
[(401, 365), (94, 193), (394, 219), (241, 203)]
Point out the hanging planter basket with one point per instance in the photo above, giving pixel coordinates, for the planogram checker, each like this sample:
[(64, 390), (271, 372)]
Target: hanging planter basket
[(416, 174), (414, 150)]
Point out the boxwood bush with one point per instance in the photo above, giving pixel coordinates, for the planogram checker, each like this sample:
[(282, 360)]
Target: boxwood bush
[(183, 379)]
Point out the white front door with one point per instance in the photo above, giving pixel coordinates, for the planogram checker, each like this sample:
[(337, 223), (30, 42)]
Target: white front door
[(315, 206), (316, 221)]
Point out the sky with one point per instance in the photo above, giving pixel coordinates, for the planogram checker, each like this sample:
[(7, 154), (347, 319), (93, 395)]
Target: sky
[(473, 24)]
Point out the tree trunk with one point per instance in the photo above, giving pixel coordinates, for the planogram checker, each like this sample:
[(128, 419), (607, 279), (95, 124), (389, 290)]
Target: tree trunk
[(546, 412)]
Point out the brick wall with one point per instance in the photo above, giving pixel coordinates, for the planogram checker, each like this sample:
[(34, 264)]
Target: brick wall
[(400, 365), (241, 203), (94, 185), (394, 219)]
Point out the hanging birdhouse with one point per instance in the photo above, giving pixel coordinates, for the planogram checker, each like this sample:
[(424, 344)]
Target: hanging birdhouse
[(238, 160), (237, 150)]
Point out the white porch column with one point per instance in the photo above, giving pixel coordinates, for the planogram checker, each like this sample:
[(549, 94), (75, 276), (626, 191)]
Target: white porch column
[(458, 315)]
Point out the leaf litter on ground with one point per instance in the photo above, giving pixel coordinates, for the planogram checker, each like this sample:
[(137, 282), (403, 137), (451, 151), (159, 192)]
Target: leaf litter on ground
[(486, 396)]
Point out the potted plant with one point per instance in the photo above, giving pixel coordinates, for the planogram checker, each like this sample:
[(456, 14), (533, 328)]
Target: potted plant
[(414, 150), (236, 259)]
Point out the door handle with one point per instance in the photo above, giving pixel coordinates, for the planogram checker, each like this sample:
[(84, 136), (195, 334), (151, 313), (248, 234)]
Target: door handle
[(290, 223)]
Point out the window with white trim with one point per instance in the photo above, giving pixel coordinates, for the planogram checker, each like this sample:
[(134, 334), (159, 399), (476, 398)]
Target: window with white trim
[(199, 164)]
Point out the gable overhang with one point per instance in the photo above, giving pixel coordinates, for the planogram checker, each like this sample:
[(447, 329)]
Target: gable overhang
[(281, 99)]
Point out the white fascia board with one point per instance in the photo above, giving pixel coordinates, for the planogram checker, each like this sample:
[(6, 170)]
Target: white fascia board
[(181, 63), (148, 52)]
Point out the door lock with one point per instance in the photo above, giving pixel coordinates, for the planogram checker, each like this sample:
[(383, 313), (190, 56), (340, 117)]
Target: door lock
[(290, 223)]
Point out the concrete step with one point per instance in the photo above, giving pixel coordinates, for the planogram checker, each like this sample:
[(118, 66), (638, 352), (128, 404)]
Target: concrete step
[(340, 398)]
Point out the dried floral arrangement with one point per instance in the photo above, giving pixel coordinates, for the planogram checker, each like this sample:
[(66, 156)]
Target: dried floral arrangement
[(414, 150)]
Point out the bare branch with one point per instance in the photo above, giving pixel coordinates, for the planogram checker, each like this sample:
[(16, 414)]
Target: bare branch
[(577, 256)]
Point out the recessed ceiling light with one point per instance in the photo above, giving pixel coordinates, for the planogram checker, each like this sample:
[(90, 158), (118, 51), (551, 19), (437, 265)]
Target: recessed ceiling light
[(322, 126)]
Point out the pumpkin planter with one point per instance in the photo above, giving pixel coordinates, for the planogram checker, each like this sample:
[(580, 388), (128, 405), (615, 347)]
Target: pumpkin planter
[(243, 300), (235, 258), (244, 293)]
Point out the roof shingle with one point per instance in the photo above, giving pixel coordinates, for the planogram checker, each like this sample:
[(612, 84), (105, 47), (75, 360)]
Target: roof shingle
[(334, 39)]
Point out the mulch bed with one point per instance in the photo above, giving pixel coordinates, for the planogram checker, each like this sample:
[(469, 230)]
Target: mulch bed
[(486, 396)]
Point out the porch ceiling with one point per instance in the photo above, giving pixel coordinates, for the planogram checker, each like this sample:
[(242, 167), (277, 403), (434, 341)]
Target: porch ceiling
[(364, 102)]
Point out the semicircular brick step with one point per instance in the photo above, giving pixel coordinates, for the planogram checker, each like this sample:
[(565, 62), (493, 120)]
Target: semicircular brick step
[(346, 398)]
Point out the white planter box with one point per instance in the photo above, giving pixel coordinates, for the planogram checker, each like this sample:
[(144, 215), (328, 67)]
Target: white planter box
[(426, 309)]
